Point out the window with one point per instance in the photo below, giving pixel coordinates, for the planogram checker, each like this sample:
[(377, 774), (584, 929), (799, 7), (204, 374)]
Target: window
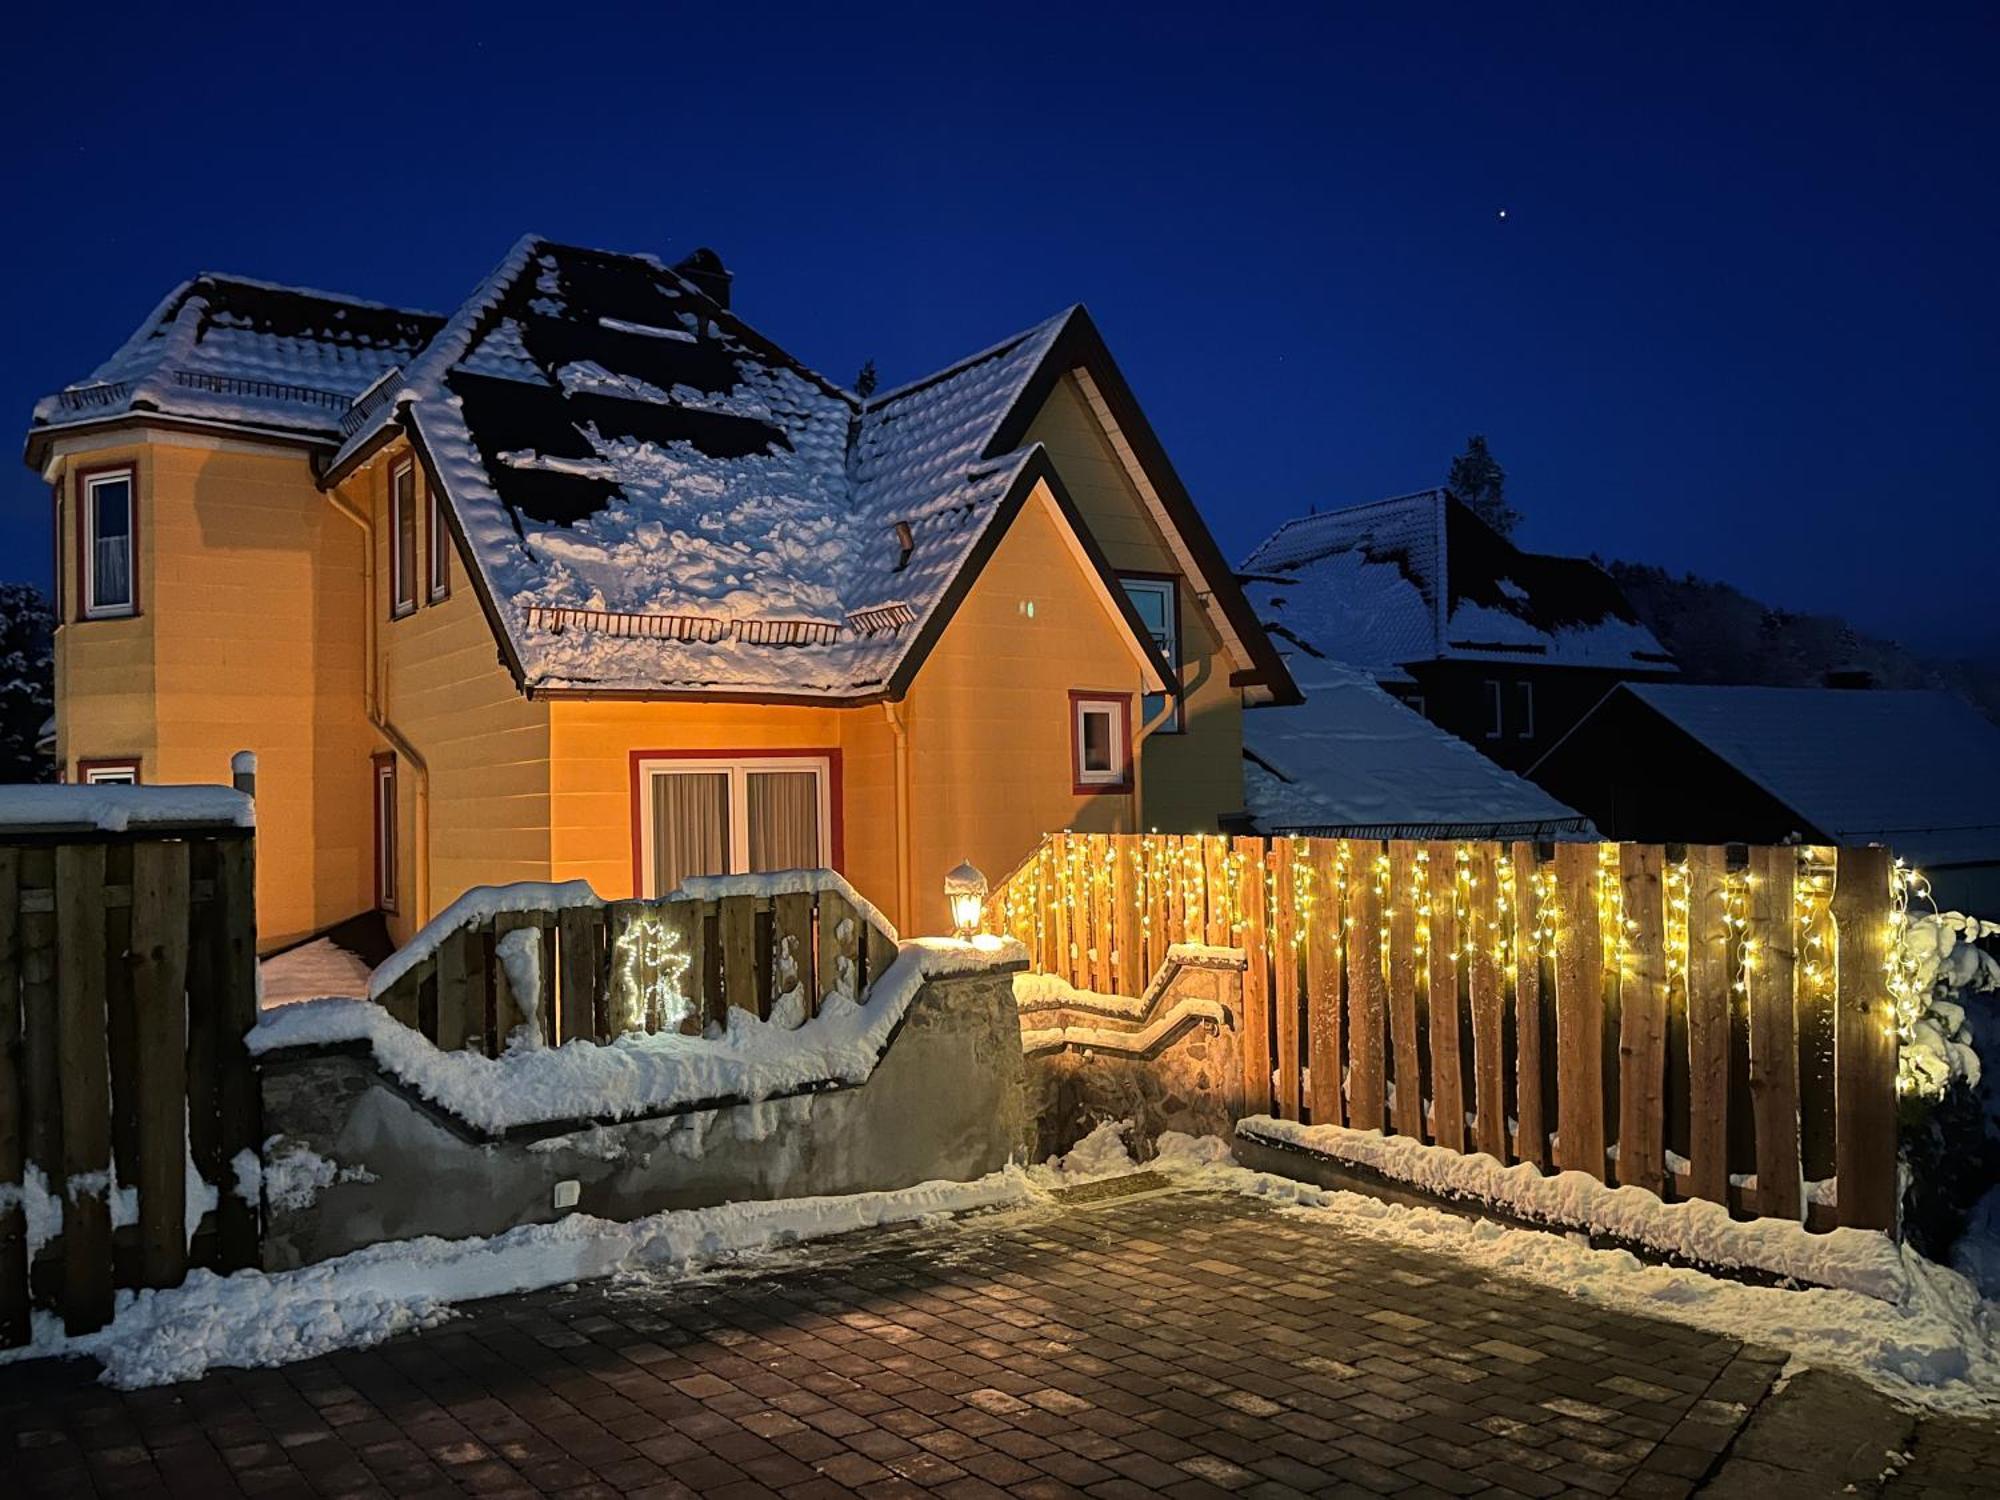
[(403, 539), (385, 831), (1493, 701), (1100, 739), (728, 816), (1156, 597), (1526, 693), (108, 772), (438, 543), (106, 538)]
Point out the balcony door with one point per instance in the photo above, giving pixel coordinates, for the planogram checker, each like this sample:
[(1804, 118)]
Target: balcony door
[(729, 816)]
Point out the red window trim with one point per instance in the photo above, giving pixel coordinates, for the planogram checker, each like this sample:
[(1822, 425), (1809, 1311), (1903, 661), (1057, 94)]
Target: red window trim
[(130, 469), (108, 763), (1179, 726), (380, 761), (398, 610), (1122, 702), (836, 832), (437, 550)]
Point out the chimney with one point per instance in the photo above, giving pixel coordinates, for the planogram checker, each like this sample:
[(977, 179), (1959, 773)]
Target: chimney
[(705, 271)]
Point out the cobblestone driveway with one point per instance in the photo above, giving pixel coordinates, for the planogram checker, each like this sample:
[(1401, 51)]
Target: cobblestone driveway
[(1181, 1344)]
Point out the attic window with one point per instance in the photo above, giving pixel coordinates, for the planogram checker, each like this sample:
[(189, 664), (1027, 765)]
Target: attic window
[(403, 539), (906, 539)]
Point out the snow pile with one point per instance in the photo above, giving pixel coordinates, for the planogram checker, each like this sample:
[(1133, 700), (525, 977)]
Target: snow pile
[(310, 972), (1099, 1155), (786, 883), (480, 904), (520, 956), (253, 1318), (294, 1179), (1937, 1345), (117, 809), (1942, 965), (638, 1073), (1857, 1260)]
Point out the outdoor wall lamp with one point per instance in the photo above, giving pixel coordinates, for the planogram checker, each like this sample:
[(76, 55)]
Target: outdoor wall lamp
[(965, 890)]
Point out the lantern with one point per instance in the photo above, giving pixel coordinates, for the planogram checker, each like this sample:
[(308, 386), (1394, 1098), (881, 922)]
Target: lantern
[(965, 891)]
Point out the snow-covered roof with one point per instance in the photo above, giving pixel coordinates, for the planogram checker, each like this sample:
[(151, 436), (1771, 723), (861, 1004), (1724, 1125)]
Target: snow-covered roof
[(1421, 578), (1351, 760), (1917, 771), (246, 353)]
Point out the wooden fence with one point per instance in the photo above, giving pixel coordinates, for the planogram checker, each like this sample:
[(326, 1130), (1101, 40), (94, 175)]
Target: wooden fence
[(128, 977), (640, 965), (1701, 1022)]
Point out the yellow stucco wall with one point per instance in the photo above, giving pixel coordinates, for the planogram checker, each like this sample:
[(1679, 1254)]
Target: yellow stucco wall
[(1195, 777), (249, 639), (989, 714)]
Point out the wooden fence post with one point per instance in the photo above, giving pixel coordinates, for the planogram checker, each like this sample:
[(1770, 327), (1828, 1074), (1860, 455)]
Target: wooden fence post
[(792, 943), (1708, 986), (1367, 991), (1256, 1036), (1865, 1043), (1408, 1111), (15, 1326), (1814, 989), (1323, 1017), (1441, 1000), (1642, 1038), (233, 1012), (1774, 1036), (1579, 1014), (1285, 975), (1489, 1021), (159, 996), (86, 1087), (1531, 1136)]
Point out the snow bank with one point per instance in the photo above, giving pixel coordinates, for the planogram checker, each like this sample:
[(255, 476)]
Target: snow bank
[(116, 809), (480, 904), (638, 1074), (1937, 1345), (253, 1318), (1856, 1260), (785, 883)]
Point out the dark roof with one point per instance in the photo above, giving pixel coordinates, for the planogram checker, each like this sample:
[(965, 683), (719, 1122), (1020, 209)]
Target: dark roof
[(1420, 577)]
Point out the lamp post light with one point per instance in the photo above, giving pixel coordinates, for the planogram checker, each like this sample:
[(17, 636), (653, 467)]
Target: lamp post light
[(965, 890)]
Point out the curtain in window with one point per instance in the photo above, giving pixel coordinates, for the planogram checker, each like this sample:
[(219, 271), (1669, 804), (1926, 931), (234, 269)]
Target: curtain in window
[(784, 820), (690, 827), (111, 564)]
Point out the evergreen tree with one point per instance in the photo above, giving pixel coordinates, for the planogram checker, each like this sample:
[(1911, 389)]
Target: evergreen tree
[(865, 382), (1477, 479), (27, 676)]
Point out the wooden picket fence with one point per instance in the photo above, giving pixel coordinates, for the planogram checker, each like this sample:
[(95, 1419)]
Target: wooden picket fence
[(1701, 1022), (128, 978), (616, 967)]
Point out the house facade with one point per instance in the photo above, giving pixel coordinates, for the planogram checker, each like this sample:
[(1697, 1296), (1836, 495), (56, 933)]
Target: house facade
[(1504, 648), (589, 579)]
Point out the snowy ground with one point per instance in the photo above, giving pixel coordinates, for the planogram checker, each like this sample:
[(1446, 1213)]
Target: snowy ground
[(310, 972)]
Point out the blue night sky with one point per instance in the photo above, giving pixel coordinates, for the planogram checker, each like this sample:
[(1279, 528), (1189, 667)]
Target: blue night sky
[(1739, 317)]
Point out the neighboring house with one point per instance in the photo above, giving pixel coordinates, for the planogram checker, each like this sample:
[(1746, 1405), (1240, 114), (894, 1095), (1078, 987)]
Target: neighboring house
[(1506, 649), (590, 579), (1917, 771), (1352, 762)]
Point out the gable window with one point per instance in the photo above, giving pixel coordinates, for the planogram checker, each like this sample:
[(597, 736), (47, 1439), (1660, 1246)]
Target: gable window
[(108, 772), (402, 539), (725, 815), (437, 543), (1100, 740), (1493, 709), (107, 570), (1525, 692), (1156, 597), (385, 831)]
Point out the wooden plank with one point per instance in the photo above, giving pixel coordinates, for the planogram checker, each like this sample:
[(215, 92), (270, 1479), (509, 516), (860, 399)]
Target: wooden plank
[(1158, 939), (1774, 1036), (740, 958), (1285, 977), (1815, 992), (1367, 991), (624, 1002), (41, 1010), (1483, 986), (1441, 1001), (454, 990), (1256, 978), (1579, 1014), (86, 1087), (792, 947), (1323, 999), (1214, 857), (1409, 1106), (676, 969), (1864, 1043), (15, 1327), (204, 1084), (122, 1025), (1127, 898), (1708, 984), (837, 937), (578, 930), (1198, 893), (159, 939), (1531, 1134), (1642, 1021), (878, 953), (400, 999), (1063, 889), (232, 1012)]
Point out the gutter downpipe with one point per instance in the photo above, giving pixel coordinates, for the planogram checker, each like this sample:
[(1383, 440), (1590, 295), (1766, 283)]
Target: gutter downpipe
[(1139, 759), (371, 698), (893, 712)]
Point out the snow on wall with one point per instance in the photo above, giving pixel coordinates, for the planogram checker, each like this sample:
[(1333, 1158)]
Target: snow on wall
[(1857, 1260), (480, 904), (118, 809)]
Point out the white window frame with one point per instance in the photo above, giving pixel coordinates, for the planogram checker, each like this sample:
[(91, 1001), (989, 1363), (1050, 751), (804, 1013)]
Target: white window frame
[(387, 853), (120, 773), (93, 608), (738, 770), (1527, 729), (1118, 708), (1496, 707), (1169, 591), (437, 539), (402, 570)]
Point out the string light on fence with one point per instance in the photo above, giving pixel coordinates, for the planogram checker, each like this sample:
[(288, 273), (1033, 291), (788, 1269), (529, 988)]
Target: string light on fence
[(652, 963)]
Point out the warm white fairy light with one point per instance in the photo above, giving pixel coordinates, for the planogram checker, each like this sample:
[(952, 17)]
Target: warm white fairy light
[(651, 965)]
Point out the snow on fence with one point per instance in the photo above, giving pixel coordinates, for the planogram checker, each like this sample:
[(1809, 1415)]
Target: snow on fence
[(128, 974), (575, 966), (1702, 1022)]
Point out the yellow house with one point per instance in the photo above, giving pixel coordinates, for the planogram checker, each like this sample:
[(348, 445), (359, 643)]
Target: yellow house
[(592, 580)]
